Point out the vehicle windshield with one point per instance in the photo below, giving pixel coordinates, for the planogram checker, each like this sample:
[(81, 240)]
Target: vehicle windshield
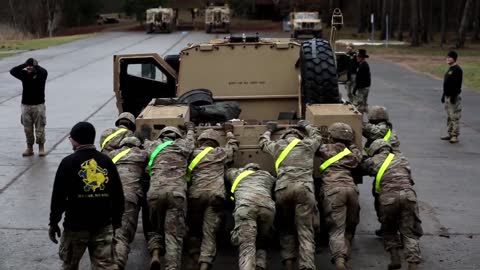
[(306, 15)]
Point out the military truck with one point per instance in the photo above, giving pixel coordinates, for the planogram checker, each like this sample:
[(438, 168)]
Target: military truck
[(160, 20), (270, 79), (305, 23), (217, 18)]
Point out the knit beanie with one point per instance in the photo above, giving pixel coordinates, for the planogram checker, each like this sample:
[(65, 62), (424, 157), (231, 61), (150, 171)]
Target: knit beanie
[(453, 55), (83, 133)]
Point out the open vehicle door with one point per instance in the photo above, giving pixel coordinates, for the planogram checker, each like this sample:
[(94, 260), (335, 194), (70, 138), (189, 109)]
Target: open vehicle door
[(138, 78)]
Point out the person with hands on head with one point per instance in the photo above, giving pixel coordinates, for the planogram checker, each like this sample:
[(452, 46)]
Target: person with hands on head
[(87, 188), (452, 87), (33, 118)]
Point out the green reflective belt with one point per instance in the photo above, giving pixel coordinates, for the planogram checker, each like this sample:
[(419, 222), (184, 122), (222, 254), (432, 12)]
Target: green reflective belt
[(116, 158), (237, 181), (382, 170), (388, 135), (197, 160), (113, 135), (285, 152), (155, 154), (334, 159)]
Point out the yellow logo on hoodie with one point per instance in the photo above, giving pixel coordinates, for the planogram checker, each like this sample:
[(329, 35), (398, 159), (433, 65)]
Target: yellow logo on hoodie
[(94, 176)]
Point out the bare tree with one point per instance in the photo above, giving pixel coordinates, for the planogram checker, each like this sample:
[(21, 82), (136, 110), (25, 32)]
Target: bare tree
[(414, 24), (362, 16), (12, 10), (476, 21), (461, 35), (443, 24)]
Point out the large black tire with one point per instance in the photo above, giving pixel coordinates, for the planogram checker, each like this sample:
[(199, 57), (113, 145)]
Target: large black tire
[(319, 74)]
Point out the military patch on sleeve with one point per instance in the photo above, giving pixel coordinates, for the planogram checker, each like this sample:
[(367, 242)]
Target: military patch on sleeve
[(93, 176), (450, 73)]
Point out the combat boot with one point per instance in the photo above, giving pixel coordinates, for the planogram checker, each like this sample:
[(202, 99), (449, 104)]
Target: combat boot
[(41, 150), (155, 262), (29, 151), (205, 266), (340, 264), (395, 262), (454, 139), (412, 266), (445, 138), (289, 265)]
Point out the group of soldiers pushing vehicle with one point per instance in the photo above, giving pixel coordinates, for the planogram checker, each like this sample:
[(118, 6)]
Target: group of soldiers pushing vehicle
[(190, 182)]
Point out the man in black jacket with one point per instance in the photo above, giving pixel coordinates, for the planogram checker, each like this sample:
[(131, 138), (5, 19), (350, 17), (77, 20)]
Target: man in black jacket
[(87, 188), (362, 82), (452, 87), (351, 71), (33, 118)]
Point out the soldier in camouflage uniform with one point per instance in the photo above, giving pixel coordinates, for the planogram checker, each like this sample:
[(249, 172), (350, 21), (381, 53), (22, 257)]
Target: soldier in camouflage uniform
[(131, 162), (379, 127), (398, 202), (206, 194), (111, 138), (294, 191), (338, 190), (167, 194), (254, 214)]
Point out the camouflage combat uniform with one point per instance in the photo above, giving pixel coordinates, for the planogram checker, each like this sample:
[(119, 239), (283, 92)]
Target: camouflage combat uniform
[(254, 215), (294, 194), (206, 196), (454, 113), (167, 198), (114, 142), (340, 197), (131, 168), (398, 203), (378, 131)]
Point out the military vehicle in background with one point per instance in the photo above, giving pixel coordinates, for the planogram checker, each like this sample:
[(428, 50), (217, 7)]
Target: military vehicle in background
[(217, 18), (305, 23), (160, 20)]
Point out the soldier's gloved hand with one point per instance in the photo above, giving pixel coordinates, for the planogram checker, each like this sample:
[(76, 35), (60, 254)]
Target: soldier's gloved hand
[(272, 126), (53, 232), (443, 99), (190, 125), (228, 127), (303, 124), (453, 99)]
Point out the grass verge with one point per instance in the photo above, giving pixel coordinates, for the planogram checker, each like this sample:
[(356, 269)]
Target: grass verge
[(35, 44)]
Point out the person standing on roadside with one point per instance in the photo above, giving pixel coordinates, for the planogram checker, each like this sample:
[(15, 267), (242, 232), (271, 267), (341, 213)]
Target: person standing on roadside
[(362, 82), (87, 188), (351, 71), (452, 87), (33, 117)]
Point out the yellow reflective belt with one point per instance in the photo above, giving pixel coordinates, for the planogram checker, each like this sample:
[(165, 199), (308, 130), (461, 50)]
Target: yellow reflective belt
[(113, 135), (382, 170), (237, 181), (197, 160), (285, 152), (116, 158), (155, 154), (334, 159), (388, 135)]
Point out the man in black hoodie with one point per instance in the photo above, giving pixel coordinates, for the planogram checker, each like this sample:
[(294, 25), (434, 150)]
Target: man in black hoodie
[(87, 188), (33, 118), (452, 87)]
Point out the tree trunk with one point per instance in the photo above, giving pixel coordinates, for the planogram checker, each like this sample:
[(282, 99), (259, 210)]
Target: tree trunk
[(476, 22), (461, 35), (12, 10), (391, 18), (383, 23), (362, 16), (421, 20), (414, 24), (400, 20), (443, 25)]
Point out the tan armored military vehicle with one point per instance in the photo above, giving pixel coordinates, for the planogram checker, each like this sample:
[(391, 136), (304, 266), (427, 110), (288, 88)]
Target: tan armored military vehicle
[(305, 23), (246, 80), (217, 19), (160, 20)]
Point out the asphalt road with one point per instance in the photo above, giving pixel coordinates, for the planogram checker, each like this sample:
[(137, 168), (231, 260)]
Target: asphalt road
[(80, 88)]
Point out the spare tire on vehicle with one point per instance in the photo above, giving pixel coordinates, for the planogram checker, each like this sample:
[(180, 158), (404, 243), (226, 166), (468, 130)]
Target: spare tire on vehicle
[(319, 73)]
